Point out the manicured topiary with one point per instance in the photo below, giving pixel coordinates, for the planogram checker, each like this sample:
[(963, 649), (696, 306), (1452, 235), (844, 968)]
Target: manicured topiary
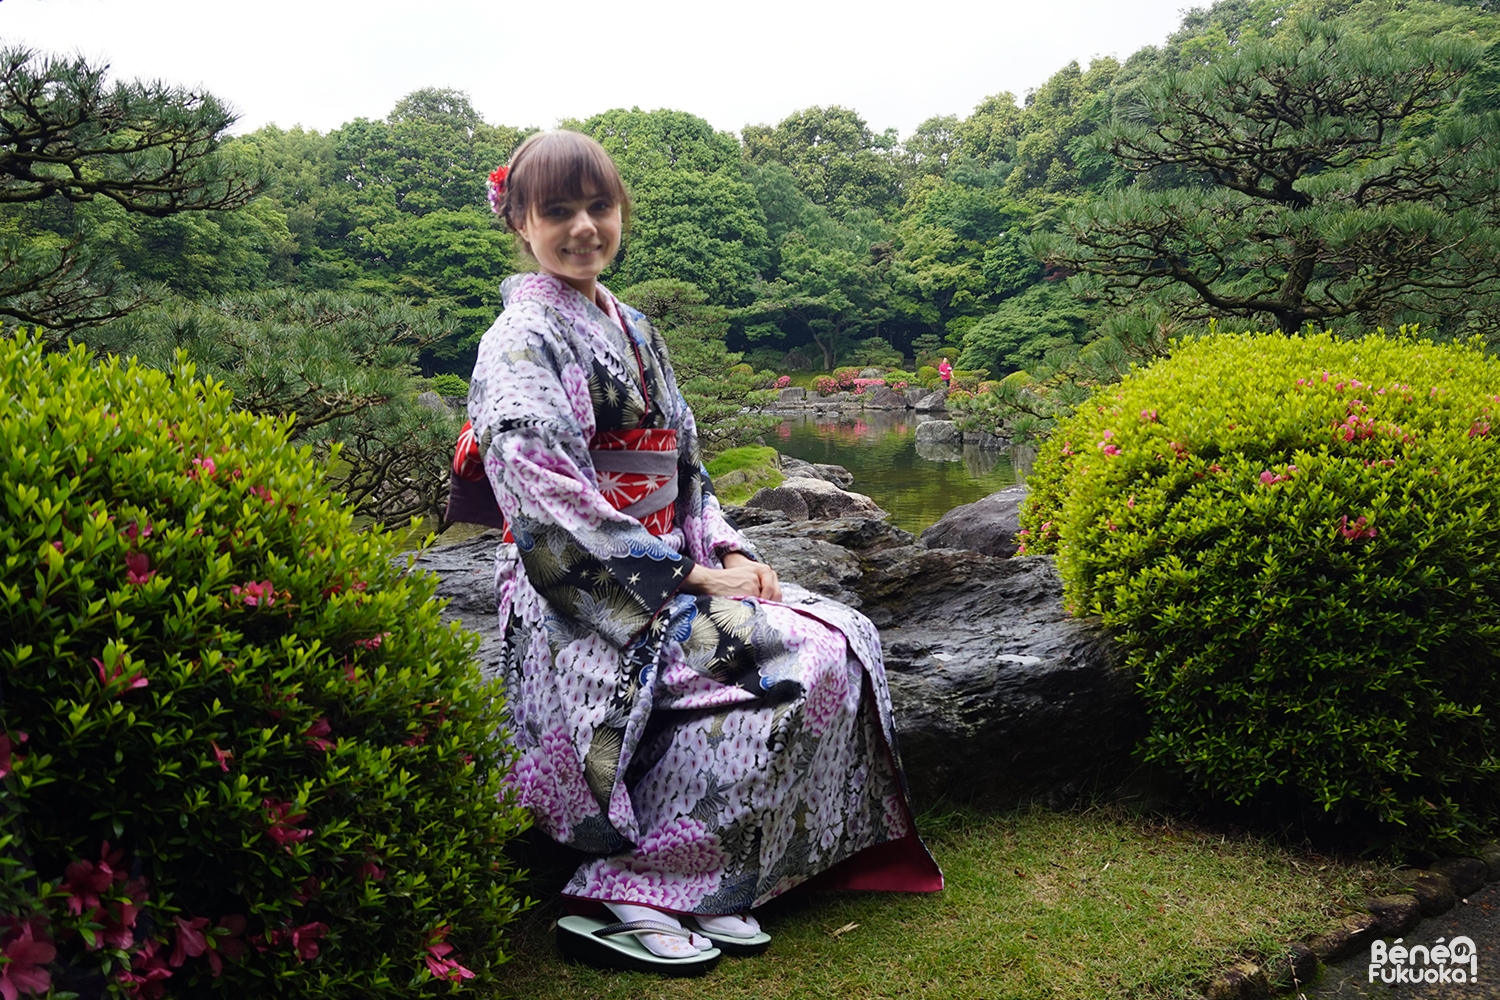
[(241, 754), (1298, 538), (448, 384)]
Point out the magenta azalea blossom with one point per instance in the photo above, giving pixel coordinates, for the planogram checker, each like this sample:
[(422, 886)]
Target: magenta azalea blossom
[(138, 568), (25, 951)]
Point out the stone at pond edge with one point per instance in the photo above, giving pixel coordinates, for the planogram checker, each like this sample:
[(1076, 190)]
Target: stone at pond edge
[(933, 401), (822, 499), (938, 432), (1241, 981), (1352, 933), (1433, 891), (884, 398), (792, 394), (1466, 874), (988, 525), (787, 501), (914, 396), (1394, 914), (835, 474)]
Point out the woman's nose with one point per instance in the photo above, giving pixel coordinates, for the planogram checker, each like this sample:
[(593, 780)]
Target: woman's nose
[(582, 222)]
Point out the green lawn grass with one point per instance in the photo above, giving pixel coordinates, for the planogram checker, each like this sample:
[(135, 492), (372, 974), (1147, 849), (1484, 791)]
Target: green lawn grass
[(1039, 904)]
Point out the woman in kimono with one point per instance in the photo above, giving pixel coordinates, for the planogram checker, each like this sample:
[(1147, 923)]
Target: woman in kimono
[(712, 736)]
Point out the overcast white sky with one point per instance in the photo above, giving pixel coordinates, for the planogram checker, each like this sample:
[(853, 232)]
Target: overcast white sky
[(321, 63)]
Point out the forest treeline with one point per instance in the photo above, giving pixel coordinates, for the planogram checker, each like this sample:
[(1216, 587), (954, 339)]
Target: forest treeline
[(1273, 163)]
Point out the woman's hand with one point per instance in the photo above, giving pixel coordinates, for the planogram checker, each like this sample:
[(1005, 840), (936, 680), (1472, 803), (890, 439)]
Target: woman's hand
[(740, 577)]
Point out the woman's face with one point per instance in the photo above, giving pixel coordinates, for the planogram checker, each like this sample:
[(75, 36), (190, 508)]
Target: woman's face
[(575, 239)]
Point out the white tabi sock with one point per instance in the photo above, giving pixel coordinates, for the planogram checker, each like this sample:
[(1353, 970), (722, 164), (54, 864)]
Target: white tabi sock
[(740, 925), (660, 945)]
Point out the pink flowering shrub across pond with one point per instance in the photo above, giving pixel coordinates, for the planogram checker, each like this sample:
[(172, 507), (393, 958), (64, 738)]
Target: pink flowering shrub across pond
[(240, 755), (1298, 540)]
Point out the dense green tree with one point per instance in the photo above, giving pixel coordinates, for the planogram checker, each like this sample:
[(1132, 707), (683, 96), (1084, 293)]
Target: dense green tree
[(69, 137), (1330, 185), (837, 160), (1023, 330)]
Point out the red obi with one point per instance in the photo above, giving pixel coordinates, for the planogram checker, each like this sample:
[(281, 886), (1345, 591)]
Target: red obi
[(636, 471)]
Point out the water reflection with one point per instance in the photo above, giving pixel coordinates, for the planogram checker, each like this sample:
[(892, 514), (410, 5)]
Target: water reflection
[(916, 483)]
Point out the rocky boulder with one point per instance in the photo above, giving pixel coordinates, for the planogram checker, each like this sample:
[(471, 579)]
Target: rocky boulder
[(792, 394), (932, 402), (989, 525), (938, 432), (835, 474), (821, 498), (915, 395), (883, 397)]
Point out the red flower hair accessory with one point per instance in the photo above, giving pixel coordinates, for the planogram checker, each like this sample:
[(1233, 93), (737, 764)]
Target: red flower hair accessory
[(497, 188)]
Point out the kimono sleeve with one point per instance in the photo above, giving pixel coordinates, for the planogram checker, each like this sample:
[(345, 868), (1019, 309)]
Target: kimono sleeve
[(532, 415)]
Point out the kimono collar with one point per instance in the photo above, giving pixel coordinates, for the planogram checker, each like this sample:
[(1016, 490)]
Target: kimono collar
[(567, 300)]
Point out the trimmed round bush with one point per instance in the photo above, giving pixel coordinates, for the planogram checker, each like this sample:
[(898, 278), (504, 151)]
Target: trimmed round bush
[(241, 754), (449, 385), (1298, 539)]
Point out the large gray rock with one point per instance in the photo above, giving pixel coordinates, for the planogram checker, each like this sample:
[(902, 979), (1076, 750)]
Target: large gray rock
[(835, 474), (872, 373), (938, 432), (792, 394), (932, 402), (989, 525), (915, 394), (432, 401), (821, 498), (789, 502), (883, 397), (1001, 697)]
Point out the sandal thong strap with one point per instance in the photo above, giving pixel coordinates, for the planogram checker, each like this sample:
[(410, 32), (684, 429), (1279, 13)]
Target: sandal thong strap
[(639, 927)]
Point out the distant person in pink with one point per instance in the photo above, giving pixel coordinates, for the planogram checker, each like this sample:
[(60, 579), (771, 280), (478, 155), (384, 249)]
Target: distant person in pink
[(945, 372)]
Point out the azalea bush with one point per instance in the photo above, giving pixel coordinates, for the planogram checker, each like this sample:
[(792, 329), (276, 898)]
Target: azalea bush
[(1296, 539), (240, 753)]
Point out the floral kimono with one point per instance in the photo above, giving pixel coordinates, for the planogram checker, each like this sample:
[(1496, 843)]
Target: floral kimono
[(713, 752)]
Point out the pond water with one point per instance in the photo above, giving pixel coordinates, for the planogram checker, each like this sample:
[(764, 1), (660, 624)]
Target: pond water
[(917, 484)]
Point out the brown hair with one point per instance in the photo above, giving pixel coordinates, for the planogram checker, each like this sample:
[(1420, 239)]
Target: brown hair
[(559, 166)]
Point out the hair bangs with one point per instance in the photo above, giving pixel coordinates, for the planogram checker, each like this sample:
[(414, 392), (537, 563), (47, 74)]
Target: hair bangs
[(560, 166)]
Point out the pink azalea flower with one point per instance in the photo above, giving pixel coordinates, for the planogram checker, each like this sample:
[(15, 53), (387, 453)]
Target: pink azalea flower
[(191, 941), (83, 881), (7, 749), (202, 465), (305, 939), (148, 970), (370, 870), (1150, 416), (1355, 530), (438, 962), (108, 679), (373, 642), (135, 530), (25, 951), (314, 734), (138, 568), (222, 756), (255, 594), (262, 492), (283, 825), (1110, 450), (310, 887), (227, 945)]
